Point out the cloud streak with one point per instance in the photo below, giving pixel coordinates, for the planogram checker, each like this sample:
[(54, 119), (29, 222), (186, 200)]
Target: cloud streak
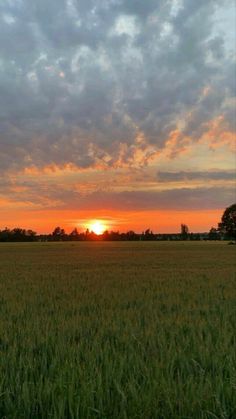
[(191, 176), (57, 196)]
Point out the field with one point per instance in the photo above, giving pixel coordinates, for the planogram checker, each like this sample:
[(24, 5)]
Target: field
[(117, 330)]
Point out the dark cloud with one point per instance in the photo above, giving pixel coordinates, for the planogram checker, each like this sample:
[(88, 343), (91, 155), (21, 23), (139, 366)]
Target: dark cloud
[(176, 199), (81, 79), (41, 194), (190, 176)]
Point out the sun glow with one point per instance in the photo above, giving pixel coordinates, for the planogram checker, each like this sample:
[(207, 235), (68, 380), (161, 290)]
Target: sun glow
[(98, 227)]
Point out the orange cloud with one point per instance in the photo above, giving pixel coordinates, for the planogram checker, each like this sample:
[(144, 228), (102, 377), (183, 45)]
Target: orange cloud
[(217, 134)]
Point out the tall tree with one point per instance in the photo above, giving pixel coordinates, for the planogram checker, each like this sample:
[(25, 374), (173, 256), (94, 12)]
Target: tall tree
[(184, 231), (58, 233), (228, 222)]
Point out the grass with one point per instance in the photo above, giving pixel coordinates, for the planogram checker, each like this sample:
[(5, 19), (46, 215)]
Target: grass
[(117, 330)]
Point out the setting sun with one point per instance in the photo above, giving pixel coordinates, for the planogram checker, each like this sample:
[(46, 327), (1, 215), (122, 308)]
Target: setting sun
[(97, 227)]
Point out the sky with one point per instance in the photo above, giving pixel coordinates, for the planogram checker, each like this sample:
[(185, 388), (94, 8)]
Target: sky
[(117, 110)]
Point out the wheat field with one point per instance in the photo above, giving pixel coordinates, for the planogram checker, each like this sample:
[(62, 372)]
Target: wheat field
[(117, 330)]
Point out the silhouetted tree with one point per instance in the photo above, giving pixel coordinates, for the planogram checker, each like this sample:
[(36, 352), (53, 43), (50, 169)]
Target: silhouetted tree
[(114, 235), (184, 231), (58, 234), (74, 235), (131, 235), (5, 235), (106, 235), (30, 235), (148, 235), (213, 234), (228, 222), (17, 235)]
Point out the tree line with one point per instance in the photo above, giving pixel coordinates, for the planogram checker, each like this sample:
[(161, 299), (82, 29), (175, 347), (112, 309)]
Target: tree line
[(226, 230)]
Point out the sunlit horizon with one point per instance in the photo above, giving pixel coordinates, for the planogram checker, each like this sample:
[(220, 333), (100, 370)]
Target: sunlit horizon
[(96, 226), (158, 222)]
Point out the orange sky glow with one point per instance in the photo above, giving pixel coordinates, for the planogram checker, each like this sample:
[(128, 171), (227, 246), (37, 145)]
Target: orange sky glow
[(158, 221)]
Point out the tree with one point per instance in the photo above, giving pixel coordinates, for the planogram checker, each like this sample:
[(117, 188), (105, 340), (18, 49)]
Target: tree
[(131, 235), (213, 234), (228, 222), (5, 235), (184, 231), (31, 235), (74, 235), (148, 235), (58, 233)]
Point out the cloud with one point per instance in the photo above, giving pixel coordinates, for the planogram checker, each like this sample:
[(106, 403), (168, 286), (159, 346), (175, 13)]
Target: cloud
[(43, 194), (181, 176), (81, 81), (177, 199)]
